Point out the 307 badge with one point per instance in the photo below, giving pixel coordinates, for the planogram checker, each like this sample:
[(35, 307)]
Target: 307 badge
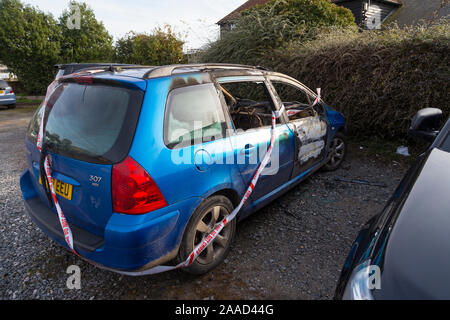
[(61, 188)]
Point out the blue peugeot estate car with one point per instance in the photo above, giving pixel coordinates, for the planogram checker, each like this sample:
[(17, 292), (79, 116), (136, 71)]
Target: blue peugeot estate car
[(147, 160)]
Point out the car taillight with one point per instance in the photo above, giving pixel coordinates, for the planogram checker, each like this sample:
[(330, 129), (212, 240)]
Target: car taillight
[(133, 190)]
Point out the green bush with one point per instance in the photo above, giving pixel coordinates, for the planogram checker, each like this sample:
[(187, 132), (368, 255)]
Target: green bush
[(29, 44), (90, 43), (32, 42), (310, 13), (161, 47), (377, 78), (278, 24)]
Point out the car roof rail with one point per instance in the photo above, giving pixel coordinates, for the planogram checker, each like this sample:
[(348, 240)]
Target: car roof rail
[(113, 67), (165, 71)]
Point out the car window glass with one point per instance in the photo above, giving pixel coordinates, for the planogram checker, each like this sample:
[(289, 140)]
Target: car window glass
[(86, 121), (193, 115)]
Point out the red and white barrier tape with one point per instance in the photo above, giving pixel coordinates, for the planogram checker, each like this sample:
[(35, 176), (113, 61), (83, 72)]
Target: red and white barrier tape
[(210, 238), (200, 247)]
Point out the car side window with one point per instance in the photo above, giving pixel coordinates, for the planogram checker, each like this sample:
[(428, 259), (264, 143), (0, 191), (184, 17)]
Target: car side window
[(193, 115), (294, 98), (249, 103)]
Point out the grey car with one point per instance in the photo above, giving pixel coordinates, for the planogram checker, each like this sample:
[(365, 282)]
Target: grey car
[(7, 96)]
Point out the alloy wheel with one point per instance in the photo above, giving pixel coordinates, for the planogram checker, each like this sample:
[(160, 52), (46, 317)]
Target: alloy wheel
[(204, 227)]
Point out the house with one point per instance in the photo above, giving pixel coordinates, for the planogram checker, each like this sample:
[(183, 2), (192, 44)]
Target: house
[(369, 14), (227, 23)]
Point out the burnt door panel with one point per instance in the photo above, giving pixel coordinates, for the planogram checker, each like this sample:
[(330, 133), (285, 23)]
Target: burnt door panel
[(311, 140)]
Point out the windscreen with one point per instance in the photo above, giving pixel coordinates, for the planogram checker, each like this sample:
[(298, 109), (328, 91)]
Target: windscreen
[(92, 122)]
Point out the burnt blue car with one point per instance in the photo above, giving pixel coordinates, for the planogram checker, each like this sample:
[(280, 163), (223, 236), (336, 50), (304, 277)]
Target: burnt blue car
[(146, 161), (7, 96), (403, 252)]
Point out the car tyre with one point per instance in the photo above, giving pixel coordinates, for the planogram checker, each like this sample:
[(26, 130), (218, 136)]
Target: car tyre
[(12, 106), (206, 216), (337, 152)]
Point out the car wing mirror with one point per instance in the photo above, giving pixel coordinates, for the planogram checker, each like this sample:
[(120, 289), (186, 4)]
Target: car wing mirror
[(426, 123)]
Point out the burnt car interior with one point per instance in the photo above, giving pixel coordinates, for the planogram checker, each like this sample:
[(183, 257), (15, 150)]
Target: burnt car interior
[(249, 103), (295, 99)]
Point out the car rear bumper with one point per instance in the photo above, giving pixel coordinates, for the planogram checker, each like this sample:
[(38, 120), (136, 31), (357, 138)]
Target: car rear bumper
[(7, 99), (129, 242)]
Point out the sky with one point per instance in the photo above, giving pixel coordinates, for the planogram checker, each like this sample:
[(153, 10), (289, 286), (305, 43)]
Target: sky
[(194, 19)]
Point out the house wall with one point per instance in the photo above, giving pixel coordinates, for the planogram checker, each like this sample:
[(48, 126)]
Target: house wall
[(376, 14), (355, 6)]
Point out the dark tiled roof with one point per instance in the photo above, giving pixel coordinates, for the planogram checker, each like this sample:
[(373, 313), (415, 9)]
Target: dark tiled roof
[(233, 15)]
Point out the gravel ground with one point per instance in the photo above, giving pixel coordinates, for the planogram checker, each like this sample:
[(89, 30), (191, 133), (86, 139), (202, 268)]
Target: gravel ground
[(292, 249)]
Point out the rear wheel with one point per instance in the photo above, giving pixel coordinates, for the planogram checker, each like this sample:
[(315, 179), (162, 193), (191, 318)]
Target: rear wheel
[(12, 106), (205, 218), (337, 152)]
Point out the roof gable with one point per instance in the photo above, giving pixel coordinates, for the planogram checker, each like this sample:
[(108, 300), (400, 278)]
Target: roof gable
[(247, 5)]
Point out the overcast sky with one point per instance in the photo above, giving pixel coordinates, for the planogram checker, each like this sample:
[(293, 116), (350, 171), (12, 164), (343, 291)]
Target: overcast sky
[(194, 18)]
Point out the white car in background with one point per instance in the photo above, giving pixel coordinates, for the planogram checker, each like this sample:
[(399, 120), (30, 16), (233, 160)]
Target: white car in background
[(7, 96)]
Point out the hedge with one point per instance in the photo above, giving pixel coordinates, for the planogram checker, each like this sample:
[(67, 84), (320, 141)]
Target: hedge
[(378, 79)]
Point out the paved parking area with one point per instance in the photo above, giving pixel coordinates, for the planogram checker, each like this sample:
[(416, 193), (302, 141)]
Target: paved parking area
[(292, 249)]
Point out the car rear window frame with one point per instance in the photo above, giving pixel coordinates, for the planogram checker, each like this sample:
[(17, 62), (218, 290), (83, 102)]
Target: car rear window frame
[(121, 147)]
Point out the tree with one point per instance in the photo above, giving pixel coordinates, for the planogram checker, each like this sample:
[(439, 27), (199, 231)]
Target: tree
[(29, 44), (311, 13), (91, 42), (160, 47), (278, 24)]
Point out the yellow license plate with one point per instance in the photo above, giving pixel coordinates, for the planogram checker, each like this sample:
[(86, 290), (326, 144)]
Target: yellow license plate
[(61, 188)]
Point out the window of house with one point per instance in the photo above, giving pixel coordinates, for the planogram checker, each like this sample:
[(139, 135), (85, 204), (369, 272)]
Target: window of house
[(250, 104), (194, 115)]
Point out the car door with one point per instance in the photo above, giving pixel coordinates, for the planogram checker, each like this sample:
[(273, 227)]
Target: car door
[(309, 126), (250, 116), (195, 137)]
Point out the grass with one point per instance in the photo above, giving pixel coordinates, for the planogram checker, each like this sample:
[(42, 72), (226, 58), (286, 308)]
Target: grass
[(20, 100)]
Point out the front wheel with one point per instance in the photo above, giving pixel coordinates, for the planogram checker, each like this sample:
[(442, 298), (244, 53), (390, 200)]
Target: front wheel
[(337, 152), (208, 214)]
